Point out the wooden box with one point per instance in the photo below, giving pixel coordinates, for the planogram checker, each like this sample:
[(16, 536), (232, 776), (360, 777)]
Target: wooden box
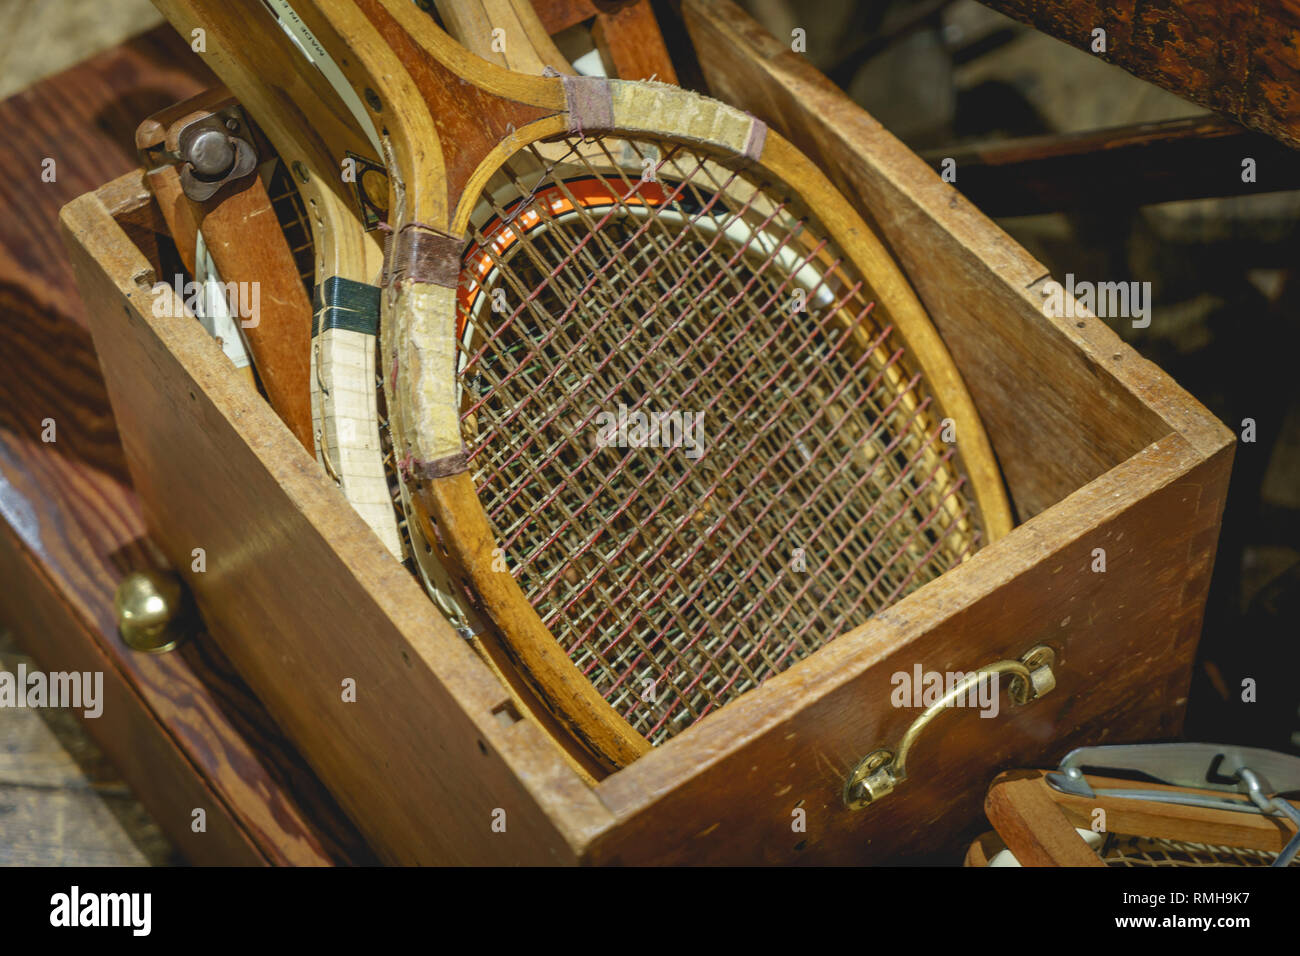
[(431, 761)]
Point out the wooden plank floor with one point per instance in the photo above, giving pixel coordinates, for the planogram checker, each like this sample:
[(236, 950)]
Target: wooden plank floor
[(61, 801)]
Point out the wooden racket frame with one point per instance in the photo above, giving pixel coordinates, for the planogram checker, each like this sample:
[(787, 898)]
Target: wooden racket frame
[(531, 50), (628, 37), (299, 112), (449, 121), (1037, 822), (246, 244)]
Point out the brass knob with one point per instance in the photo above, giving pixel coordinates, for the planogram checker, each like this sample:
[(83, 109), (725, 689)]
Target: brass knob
[(150, 606)]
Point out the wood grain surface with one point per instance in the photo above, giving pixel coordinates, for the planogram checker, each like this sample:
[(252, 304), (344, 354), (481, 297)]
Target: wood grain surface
[(628, 37), (62, 802), (182, 728), (1228, 55)]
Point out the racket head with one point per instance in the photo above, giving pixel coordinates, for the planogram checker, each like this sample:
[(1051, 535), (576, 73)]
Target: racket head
[(663, 629)]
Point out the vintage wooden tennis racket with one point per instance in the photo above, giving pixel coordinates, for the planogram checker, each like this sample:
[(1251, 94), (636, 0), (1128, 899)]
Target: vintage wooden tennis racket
[(667, 404)]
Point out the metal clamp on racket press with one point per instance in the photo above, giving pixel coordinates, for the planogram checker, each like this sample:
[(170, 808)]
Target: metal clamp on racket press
[(1252, 776), (879, 772), (208, 140), (213, 154)]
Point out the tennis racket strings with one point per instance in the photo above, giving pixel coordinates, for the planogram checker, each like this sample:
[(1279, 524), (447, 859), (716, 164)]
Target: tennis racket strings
[(703, 450)]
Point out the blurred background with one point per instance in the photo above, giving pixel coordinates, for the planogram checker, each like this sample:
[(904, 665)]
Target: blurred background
[(951, 79)]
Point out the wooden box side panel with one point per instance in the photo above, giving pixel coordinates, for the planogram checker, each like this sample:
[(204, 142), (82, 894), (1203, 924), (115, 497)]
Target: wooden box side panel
[(181, 728), (305, 601), (727, 789), (1063, 399)]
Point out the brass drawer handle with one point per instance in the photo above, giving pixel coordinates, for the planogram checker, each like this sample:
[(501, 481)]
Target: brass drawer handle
[(880, 771)]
